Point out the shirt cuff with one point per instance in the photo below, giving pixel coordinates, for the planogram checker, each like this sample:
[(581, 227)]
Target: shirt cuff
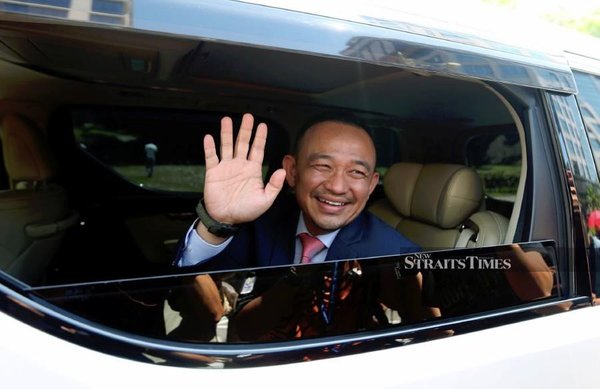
[(196, 250)]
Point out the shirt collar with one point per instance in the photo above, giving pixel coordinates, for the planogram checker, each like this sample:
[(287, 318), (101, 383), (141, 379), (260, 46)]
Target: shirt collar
[(327, 238)]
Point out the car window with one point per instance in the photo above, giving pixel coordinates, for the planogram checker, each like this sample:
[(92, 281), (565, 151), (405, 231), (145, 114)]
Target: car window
[(580, 155), (387, 143), (589, 105), (317, 300), (497, 159), (155, 149)]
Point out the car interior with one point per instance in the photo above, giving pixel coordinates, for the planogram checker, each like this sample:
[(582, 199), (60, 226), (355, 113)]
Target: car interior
[(78, 104)]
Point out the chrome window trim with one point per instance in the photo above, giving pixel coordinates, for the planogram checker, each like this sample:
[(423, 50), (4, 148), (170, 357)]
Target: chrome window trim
[(584, 64)]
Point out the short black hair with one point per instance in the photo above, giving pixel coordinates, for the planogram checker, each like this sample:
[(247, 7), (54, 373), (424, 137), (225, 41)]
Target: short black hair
[(343, 117)]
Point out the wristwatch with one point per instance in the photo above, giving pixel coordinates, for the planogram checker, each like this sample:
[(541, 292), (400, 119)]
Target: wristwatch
[(222, 230)]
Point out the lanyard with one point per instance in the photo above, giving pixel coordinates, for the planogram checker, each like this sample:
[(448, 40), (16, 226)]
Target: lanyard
[(327, 311)]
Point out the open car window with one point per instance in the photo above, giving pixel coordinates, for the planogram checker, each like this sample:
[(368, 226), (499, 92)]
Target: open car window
[(360, 297)]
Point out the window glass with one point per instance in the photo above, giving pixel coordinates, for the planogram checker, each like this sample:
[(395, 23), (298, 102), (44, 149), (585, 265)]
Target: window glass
[(55, 3), (317, 300), (387, 145), (496, 156), (585, 178), (30, 9), (589, 104), (158, 149), (573, 138), (109, 7), (107, 19)]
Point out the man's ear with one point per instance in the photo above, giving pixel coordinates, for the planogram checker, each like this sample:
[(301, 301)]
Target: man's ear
[(289, 165), (374, 182)]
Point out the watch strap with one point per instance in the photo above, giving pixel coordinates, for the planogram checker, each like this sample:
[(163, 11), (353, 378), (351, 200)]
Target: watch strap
[(222, 230)]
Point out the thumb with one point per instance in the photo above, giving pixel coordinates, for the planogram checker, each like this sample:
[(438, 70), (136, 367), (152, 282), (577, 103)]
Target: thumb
[(275, 184)]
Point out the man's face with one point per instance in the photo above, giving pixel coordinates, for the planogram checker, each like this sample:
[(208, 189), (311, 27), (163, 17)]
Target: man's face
[(333, 175)]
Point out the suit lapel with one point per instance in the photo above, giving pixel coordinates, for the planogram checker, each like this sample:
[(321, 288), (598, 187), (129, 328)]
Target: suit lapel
[(343, 246), (282, 251), (282, 236)]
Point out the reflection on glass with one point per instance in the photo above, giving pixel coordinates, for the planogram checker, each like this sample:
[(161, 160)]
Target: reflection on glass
[(307, 301), (589, 104), (591, 200), (493, 279)]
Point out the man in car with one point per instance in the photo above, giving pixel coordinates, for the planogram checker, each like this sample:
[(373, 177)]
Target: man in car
[(332, 173), (244, 223)]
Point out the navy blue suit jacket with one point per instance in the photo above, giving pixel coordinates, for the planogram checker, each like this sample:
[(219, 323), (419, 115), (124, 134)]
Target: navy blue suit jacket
[(270, 240)]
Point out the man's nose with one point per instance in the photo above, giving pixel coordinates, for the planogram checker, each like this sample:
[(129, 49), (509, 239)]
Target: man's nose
[(336, 182)]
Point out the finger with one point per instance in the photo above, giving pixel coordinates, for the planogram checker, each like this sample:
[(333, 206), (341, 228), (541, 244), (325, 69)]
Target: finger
[(243, 138), (210, 152), (275, 185), (226, 138), (257, 153)]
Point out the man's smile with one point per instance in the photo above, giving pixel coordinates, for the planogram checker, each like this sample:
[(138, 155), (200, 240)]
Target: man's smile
[(332, 203)]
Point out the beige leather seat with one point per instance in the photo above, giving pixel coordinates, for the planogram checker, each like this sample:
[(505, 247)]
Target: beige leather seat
[(33, 212), (437, 206)]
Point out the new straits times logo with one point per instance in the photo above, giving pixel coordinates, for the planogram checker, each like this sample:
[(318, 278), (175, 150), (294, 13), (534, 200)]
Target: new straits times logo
[(425, 261)]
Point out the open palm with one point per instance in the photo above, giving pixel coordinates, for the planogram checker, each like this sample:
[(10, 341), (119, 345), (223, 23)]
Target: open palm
[(234, 191)]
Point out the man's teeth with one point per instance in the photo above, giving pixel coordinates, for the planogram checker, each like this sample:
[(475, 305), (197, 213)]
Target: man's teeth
[(334, 203)]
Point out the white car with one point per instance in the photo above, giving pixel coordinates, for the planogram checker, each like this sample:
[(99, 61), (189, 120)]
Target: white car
[(486, 149)]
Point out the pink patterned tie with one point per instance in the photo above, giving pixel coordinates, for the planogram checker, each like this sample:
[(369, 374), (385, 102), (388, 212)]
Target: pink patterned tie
[(311, 246)]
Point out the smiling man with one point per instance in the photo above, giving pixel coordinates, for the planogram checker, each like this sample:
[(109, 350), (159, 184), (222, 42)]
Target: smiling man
[(244, 223)]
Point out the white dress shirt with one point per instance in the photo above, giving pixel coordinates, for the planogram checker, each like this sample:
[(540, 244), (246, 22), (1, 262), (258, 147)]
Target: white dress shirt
[(196, 250)]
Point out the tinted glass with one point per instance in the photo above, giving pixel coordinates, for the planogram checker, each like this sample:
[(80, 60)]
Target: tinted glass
[(307, 301), (497, 158), (157, 149), (106, 19), (589, 104), (55, 3), (34, 10), (109, 7)]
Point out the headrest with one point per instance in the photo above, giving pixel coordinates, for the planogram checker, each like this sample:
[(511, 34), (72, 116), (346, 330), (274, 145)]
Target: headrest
[(440, 194), (26, 155)]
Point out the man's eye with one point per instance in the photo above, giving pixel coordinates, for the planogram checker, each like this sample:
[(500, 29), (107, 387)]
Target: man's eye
[(322, 167), (358, 173)]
